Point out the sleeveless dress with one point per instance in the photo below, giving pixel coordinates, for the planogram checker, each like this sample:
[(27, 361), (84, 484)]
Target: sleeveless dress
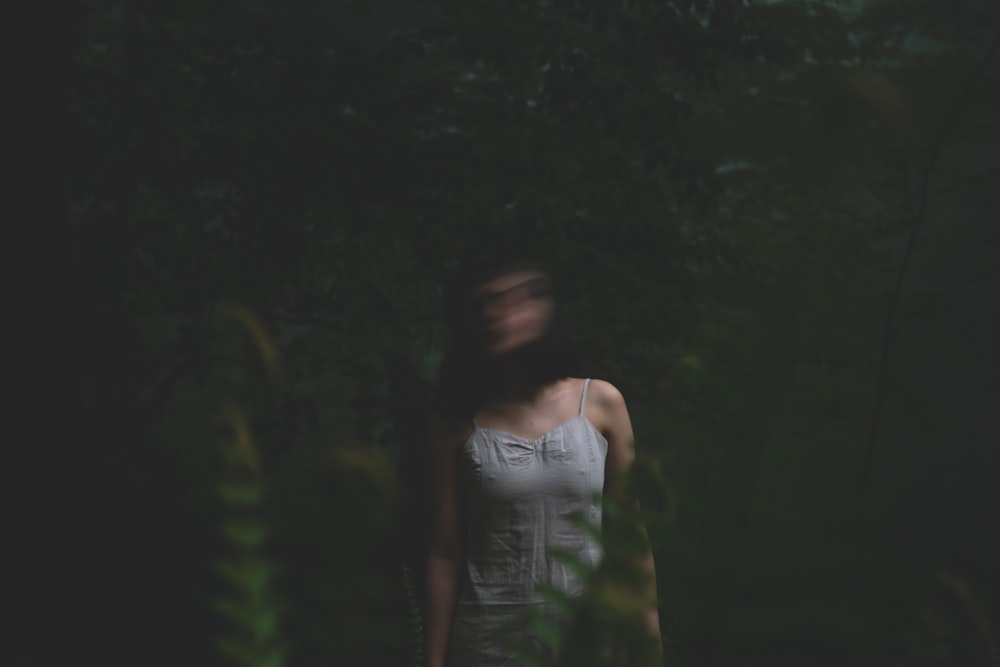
[(522, 497)]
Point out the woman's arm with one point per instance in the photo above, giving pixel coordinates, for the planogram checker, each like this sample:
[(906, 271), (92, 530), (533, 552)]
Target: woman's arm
[(445, 549), (617, 429)]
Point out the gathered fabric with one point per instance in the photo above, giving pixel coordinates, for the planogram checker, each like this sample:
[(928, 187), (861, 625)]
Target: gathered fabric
[(524, 500)]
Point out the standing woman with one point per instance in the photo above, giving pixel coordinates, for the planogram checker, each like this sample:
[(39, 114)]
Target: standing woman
[(520, 448)]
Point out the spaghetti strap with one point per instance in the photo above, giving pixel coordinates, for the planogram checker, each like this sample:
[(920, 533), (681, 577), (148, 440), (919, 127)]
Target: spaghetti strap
[(520, 500), (583, 397)]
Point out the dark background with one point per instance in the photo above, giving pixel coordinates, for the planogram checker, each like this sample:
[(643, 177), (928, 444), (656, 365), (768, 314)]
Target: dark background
[(772, 225)]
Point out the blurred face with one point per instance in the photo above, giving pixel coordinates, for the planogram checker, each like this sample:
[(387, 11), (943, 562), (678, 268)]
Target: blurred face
[(516, 308)]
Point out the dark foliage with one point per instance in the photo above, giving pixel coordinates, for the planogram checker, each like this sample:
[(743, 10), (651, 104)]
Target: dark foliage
[(763, 219)]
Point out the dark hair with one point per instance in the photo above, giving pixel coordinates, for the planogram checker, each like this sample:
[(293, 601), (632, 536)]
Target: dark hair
[(468, 376)]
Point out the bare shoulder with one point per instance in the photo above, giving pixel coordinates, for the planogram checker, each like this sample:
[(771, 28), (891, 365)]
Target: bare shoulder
[(606, 405), (606, 394)]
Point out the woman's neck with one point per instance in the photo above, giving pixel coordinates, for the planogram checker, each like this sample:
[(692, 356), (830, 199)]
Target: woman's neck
[(514, 383), (514, 387)]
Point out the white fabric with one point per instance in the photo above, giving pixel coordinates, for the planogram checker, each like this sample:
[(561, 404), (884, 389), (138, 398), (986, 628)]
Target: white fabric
[(520, 500)]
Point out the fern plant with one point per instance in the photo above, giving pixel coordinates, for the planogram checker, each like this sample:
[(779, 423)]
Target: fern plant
[(602, 627), (249, 604), (416, 620)]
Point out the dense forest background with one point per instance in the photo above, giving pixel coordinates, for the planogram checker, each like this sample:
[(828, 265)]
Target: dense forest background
[(772, 225)]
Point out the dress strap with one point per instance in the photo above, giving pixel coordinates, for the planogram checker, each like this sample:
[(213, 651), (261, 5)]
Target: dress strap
[(583, 397)]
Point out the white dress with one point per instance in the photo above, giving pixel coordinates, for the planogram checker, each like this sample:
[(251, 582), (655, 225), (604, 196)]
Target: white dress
[(522, 498)]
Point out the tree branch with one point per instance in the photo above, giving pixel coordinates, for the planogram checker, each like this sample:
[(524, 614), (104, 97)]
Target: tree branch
[(918, 217)]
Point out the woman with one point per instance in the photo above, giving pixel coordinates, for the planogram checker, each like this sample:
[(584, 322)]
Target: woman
[(520, 448)]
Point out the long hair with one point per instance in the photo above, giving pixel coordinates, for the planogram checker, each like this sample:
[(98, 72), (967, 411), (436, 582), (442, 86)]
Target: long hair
[(468, 376)]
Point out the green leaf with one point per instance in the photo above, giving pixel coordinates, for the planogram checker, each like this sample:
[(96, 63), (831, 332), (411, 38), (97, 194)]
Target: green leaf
[(560, 599), (257, 618), (245, 532), (241, 494), (251, 575), (548, 632), (572, 560), (238, 651), (273, 658)]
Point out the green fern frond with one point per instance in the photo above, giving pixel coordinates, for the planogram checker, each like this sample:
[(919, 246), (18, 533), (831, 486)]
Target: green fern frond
[(259, 620), (244, 533), (252, 614), (237, 650), (251, 576), (416, 619), (240, 494)]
